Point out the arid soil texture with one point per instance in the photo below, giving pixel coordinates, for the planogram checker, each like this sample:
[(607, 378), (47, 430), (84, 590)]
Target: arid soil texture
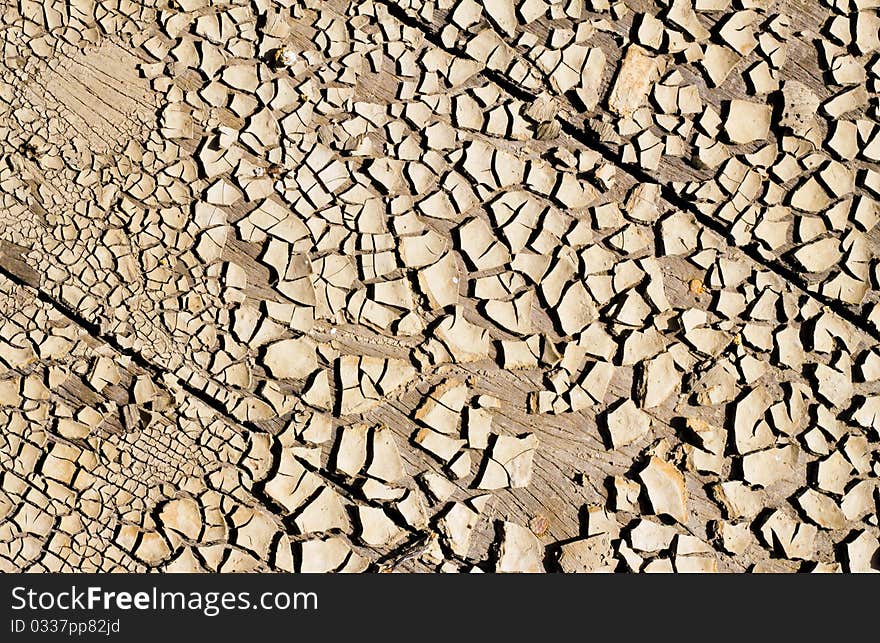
[(440, 285)]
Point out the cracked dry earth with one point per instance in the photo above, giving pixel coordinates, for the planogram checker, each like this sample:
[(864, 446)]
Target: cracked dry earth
[(452, 285)]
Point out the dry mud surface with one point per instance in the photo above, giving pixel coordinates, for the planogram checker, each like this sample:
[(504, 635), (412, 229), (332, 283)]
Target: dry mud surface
[(452, 285)]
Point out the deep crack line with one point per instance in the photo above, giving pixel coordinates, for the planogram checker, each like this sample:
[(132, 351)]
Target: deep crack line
[(591, 141)]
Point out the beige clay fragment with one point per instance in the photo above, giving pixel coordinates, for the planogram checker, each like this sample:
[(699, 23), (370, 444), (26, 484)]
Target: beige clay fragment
[(519, 551), (665, 488), (508, 463), (634, 78), (626, 424), (746, 121)]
